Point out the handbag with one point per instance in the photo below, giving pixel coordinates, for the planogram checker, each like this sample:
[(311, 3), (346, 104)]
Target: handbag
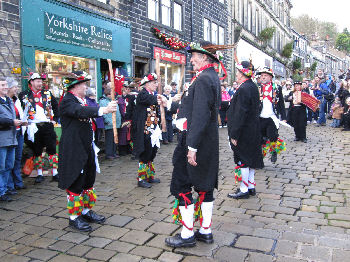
[(28, 166)]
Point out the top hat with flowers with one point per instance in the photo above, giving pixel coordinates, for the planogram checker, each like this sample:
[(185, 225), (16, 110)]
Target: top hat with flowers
[(207, 48), (266, 70), (33, 76), (148, 78), (246, 68), (76, 77)]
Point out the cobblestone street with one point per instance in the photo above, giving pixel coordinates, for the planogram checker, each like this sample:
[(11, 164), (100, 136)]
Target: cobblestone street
[(301, 211)]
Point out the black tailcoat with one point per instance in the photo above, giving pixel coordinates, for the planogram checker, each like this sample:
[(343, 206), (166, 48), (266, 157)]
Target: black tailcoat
[(76, 139), (244, 126), (143, 101), (200, 106)]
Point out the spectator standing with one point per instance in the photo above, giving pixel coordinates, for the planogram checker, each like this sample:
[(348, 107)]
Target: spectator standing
[(173, 88), (8, 141), (225, 103), (346, 115), (110, 146), (91, 101), (123, 131), (325, 91), (337, 111), (15, 180)]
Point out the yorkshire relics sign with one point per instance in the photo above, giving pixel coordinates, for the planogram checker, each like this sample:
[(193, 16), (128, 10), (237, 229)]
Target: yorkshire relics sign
[(70, 31), (168, 55)]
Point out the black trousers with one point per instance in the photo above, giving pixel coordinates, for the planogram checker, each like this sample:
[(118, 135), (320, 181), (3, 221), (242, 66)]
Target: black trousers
[(346, 119), (268, 130), (299, 121), (222, 113), (169, 134), (86, 179), (180, 180), (150, 152), (110, 146), (44, 137)]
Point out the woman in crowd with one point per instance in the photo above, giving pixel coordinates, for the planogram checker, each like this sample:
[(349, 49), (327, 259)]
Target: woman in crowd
[(225, 103)]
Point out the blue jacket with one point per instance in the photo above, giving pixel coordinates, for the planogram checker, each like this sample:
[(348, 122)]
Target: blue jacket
[(107, 118), (7, 127)]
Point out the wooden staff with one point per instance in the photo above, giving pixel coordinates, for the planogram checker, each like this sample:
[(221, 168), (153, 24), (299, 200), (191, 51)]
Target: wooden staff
[(181, 78), (114, 114), (162, 111)]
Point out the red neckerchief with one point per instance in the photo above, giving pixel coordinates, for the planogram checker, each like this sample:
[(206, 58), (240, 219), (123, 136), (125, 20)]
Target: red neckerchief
[(93, 124), (267, 91), (200, 71), (37, 98)]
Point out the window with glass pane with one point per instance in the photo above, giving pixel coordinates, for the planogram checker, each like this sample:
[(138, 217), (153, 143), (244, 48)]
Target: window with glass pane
[(166, 15), (103, 1), (206, 30), (177, 16), (214, 33), (222, 1), (221, 35), (153, 10)]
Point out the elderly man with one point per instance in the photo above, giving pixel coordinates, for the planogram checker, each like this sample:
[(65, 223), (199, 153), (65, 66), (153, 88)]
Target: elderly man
[(41, 108), (169, 134), (244, 131), (272, 101), (78, 153), (196, 157), (147, 133)]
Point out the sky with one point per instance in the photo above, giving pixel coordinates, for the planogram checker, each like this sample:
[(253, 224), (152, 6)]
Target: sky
[(336, 11)]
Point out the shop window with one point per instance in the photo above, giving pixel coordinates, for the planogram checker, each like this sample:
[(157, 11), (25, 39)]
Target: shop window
[(140, 68), (177, 16), (153, 10), (206, 30), (169, 73), (221, 35), (56, 64), (214, 33), (166, 12)]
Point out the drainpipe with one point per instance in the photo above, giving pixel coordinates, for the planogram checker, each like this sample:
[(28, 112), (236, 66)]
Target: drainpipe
[(192, 6)]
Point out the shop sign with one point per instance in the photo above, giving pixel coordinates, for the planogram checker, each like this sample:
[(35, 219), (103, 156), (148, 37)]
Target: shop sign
[(70, 31), (168, 55), (279, 68)]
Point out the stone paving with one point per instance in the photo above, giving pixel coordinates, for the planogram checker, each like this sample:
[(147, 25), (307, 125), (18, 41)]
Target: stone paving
[(301, 212)]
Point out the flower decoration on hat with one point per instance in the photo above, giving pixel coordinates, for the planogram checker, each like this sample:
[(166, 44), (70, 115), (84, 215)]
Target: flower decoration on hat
[(246, 68), (266, 70), (74, 78), (148, 78), (34, 75)]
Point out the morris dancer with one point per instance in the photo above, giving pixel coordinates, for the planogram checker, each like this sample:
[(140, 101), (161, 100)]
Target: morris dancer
[(244, 131), (41, 108), (77, 151), (196, 157), (147, 131), (271, 97)]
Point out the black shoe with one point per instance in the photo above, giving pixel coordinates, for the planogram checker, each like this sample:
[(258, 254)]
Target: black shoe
[(93, 217), (252, 191), (55, 178), (11, 192), (144, 184), (274, 157), (178, 241), (207, 238), (296, 139), (239, 195), (5, 198), (305, 140), (20, 187), (80, 224), (345, 129), (39, 179), (154, 180)]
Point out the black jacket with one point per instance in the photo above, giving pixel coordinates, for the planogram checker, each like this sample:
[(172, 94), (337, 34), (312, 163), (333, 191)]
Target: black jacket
[(200, 106), (244, 125), (76, 139)]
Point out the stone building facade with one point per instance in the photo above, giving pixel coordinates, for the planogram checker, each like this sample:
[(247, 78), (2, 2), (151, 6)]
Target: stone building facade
[(10, 54)]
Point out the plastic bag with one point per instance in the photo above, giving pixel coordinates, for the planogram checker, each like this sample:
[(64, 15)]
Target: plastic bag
[(28, 166)]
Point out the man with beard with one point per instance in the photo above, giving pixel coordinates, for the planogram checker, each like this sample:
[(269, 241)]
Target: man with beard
[(271, 101), (196, 157), (244, 131)]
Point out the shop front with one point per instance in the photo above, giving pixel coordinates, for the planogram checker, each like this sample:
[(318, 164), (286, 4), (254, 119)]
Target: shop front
[(279, 69), (171, 65), (58, 38)]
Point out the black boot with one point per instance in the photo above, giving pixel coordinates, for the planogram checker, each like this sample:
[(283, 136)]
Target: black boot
[(55, 178), (239, 195), (178, 241), (154, 180), (144, 184), (80, 224), (93, 217), (252, 191), (39, 179), (207, 238)]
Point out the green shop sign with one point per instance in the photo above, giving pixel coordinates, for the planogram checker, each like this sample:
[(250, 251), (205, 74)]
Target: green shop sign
[(69, 31)]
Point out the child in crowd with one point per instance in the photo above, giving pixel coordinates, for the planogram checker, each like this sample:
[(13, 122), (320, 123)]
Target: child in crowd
[(336, 111)]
